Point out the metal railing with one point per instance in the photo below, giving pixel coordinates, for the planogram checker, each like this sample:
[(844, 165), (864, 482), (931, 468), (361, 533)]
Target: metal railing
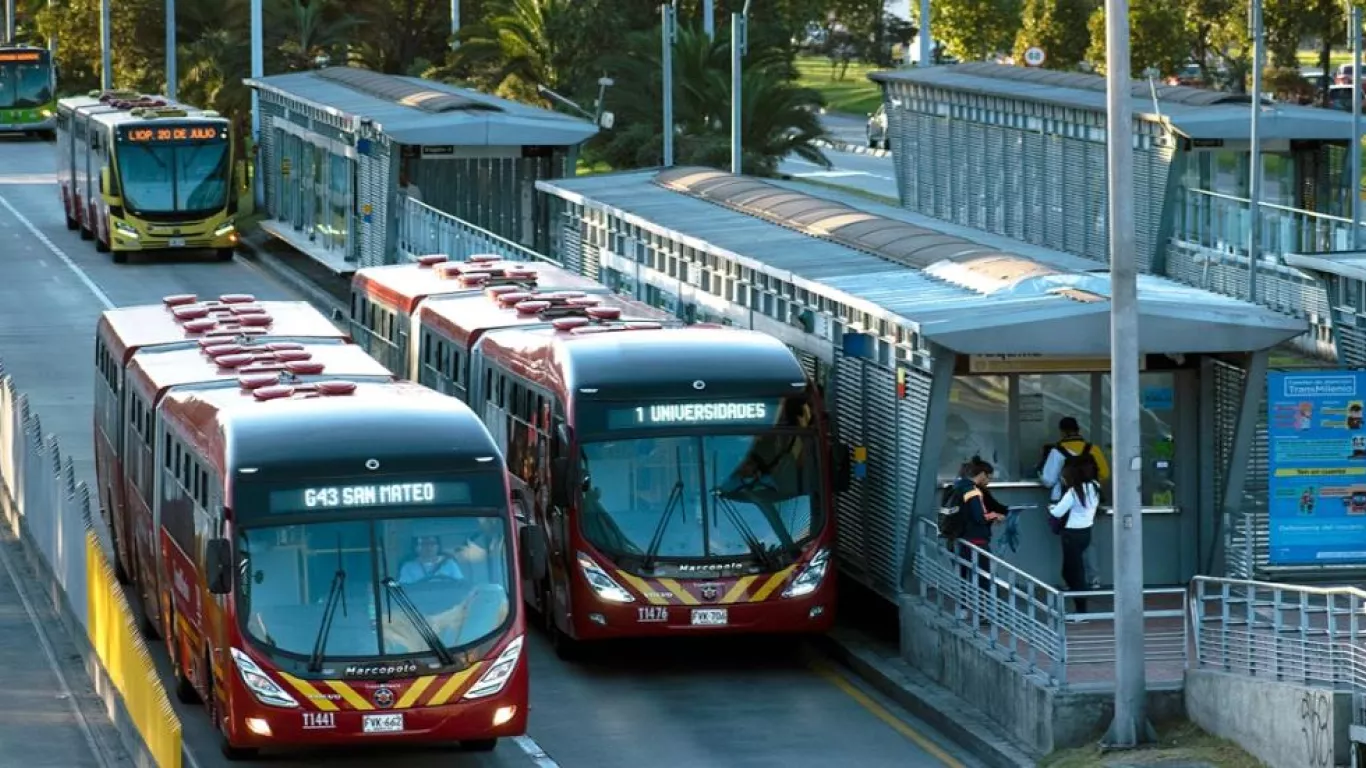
[(1027, 619), (423, 230), (1224, 223)]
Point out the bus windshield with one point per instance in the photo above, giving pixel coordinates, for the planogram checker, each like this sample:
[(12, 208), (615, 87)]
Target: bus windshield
[(660, 501), (398, 586), (179, 177), (24, 86)]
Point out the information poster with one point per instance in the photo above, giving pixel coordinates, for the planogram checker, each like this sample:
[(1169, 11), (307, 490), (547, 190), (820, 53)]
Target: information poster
[(1317, 467)]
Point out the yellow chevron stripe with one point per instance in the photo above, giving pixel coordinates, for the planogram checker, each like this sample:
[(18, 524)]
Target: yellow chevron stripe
[(452, 685), (737, 591), (349, 695), (774, 581), (415, 690), (678, 591), (643, 587), (309, 692)]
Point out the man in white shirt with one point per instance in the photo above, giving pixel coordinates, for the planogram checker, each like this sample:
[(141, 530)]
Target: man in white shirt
[(1072, 444)]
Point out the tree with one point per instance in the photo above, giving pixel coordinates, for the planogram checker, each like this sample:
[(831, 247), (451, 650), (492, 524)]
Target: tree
[(974, 30), (1059, 27), (1158, 37), (778, 118)]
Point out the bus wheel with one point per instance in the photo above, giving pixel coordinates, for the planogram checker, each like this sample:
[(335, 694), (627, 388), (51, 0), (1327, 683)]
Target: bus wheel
[(184, 689), (86, 234), (72, 224), (120, 570), (225, 254), (101, 246), (479, 745), (120, 257)]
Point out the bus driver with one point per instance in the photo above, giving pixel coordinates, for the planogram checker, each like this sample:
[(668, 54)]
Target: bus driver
[(428, 562)]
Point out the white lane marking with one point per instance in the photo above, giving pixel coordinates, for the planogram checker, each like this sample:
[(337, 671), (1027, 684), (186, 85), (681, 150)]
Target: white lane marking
[(525, 743), (43, 643), (835, 171), (534, 751), (27, 179), (51, 246)]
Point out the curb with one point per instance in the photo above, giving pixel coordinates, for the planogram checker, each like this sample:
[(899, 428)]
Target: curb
[(926, 699), (274, 267), (856, 149)]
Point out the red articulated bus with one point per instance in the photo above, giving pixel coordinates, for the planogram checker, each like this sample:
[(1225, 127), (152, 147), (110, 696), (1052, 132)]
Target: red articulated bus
[(684, 475), (329, 551)]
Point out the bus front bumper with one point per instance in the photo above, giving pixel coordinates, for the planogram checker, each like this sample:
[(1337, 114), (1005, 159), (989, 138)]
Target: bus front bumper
[(128, 238), (6, 126)]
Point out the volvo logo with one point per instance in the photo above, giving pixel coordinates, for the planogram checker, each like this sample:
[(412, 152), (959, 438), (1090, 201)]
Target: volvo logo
[(372, 464), (710, 592), (699, 384), (384, 698)]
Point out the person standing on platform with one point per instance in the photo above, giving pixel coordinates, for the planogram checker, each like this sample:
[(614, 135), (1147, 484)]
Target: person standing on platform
[(1072, 445)]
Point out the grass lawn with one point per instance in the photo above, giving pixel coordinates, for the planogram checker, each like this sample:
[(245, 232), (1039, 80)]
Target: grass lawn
[(1311, 58), (583, 168), (855, 94), (1183, 741)]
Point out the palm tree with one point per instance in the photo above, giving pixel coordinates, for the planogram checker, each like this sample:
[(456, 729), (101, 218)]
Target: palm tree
[(778, 118), (313, 28), (522, 45)]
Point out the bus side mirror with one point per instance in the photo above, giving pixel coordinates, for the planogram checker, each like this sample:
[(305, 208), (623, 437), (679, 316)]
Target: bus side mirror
[(843, 467), (217, 566), (535, 552), (559, 482)]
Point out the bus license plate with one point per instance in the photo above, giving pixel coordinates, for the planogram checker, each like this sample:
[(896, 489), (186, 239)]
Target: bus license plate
[(709, 617), (176, 242), (382, 723)]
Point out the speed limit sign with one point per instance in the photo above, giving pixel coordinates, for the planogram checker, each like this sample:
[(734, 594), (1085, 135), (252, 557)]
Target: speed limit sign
[(1034, 57)]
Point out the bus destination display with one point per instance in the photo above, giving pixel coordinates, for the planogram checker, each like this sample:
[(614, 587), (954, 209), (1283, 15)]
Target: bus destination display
[(172, 133), (327, 497), (8, 56), (692, 414)]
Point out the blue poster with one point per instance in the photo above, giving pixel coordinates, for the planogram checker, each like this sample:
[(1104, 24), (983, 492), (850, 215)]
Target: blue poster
[(1317, 467)]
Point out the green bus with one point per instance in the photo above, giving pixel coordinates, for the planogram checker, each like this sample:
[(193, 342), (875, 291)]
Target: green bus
[(28, 91)]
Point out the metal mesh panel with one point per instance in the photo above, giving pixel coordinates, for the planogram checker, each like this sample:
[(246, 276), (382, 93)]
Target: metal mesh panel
[(1054, 181), (571, 243), (848, 404), (1245, 530), (1351, 345), (269, 152)]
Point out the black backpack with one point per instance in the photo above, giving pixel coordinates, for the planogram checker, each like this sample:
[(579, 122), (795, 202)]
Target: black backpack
[(1084, 462), (952, 524)]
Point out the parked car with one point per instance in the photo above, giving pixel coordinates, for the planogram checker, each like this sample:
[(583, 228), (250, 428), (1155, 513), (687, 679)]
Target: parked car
[(1340, 97), (877, 129)]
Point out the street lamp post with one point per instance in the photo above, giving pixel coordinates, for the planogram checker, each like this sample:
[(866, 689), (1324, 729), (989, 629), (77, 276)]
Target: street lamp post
[(10, 22), (170, 51), (739, 44), (1130, 725), (106, 54), (669, 13), (1355, 159), (709, 18), (455, 23), (257, 69), (926, 43), (1254, 205)]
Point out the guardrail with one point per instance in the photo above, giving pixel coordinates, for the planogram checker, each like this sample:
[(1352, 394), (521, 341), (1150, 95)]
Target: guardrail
[(423, 229), (1027, 619), (51, 513)]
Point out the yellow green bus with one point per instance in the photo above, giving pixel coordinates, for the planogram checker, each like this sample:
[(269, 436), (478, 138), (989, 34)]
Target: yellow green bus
[(28, 86)]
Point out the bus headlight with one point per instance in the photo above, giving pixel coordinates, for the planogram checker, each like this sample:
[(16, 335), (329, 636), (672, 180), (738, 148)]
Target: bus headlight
[(493, 680), (260, 684), (125, 230), (602, 584), (811, 576), (224, 228)]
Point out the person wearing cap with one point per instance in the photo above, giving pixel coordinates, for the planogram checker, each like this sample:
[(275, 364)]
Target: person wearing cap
[(1055, 455)]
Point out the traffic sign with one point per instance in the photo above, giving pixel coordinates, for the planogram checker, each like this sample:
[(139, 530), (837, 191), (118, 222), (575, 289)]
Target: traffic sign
[(1034, 57)]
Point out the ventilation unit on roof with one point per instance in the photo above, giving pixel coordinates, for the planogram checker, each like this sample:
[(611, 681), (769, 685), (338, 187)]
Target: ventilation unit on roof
[(267, 373), (232, 315), (314, 389), (570, 311), (432, 259)]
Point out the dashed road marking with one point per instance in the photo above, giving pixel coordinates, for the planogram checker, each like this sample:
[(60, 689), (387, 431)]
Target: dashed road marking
[(51, 246)]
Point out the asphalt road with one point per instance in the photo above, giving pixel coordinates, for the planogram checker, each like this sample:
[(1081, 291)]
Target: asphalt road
[(726, 703), (866, 173)]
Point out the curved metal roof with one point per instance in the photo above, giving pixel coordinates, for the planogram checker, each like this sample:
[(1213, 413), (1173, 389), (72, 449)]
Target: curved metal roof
[(1077, 81), (404, 92)]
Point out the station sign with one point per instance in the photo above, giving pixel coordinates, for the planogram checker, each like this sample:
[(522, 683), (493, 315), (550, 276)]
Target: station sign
[(987, 364)]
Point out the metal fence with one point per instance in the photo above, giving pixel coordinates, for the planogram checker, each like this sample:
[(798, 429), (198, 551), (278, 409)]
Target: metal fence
[(52, 511), (423, 229), (1027, 619)]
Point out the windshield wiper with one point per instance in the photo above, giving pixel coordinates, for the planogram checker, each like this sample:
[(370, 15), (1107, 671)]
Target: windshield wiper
[(336, 595), (675, 497), (719, 500), (419, 621)]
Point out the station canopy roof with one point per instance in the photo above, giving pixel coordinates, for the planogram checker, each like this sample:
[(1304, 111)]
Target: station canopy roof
[(970, 295), (419, 112), (1195, 113)]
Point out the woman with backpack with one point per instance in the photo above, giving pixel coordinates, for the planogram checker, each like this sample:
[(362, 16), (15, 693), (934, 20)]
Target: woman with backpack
[(1075, 513)]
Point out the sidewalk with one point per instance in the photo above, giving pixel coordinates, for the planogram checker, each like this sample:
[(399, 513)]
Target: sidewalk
[(53, 716)]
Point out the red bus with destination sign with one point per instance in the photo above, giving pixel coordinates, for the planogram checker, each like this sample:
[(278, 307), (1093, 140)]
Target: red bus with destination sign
[(684, 475), (328, 552)]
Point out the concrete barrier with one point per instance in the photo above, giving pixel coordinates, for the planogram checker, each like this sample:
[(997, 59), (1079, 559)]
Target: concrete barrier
[(1285, 725), (49, 511)]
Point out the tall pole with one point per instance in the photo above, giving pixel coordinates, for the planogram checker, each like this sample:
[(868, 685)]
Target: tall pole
[(738, 33), (455, 23), (257, 70), (10, 12), (926, 43), (667, 41), (709, 18), (170, 50), (1254, 205), (1130, 725), (106, 54), (1356, 128)]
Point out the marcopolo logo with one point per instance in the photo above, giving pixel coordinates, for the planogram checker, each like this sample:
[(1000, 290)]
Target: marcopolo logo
[(381, 670), (1320, 386)]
